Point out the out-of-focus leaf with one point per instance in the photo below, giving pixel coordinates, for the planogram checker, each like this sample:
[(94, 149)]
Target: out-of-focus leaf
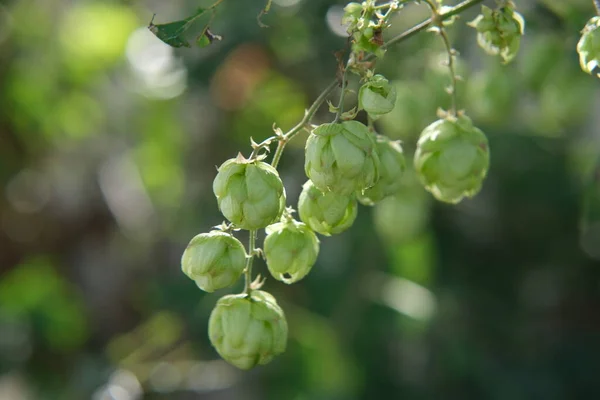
[(172, 32)]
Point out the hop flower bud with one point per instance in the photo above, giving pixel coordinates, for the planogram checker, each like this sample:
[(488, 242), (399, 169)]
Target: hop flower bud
[(326, 213), (342, 157), (291, 250), (499, 31), (248, 330), (452, 158), (588, 47), (214, 260), (249, 193), (377, 97), (392, 167)]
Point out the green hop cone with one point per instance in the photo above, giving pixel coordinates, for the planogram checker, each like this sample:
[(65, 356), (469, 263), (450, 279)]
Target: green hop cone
[(214, 260), (452, 158), (499, 31), (249, 192), (377, 97), (391, 170), (291, 249), (342, 157), (248, 330), (327, 213), (588, 47)]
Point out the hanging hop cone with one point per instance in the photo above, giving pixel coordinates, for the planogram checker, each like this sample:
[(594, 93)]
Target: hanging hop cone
[(327, 213), (588, 47), (342, 157), (452, 158), (291, 249), (214, 260), (499, 31), (250, 193), (391, 170), (377, 97), (248, 330)]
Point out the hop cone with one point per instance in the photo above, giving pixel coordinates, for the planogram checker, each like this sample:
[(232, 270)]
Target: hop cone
[(326, 213), (391, 170), (248, 331), (214, 260), (250, 193), (291, 250), (342, 157), (452, 159), (377, 97), (499, 31), (588, 47)]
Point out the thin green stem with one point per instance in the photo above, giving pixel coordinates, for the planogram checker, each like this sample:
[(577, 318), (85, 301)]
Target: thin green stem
[(438, 22), (340, 106), (215, 4), (249, 260)]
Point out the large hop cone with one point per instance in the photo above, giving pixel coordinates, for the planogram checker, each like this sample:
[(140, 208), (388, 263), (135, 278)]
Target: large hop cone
[(341, 157), (248, 330), (291, 249), (214, 260), (452, 158), (249, 192)]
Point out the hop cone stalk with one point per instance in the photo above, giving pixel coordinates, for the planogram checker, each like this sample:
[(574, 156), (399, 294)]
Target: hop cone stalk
[(452, 159), (327, 213), (250, 193), (499, 31), (214, 260), (291, 249), (392, 168), (588, 47), (248, 330), (342, 157), (377, 97)]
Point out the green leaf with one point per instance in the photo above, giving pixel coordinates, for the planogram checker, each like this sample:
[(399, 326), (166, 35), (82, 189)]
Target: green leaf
[(172, 32)]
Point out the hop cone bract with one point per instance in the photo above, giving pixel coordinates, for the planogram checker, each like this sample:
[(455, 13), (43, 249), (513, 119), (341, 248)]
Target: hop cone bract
[(377, 97)]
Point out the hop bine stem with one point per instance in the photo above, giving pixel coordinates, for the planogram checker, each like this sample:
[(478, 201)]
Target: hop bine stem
[(249, 260)]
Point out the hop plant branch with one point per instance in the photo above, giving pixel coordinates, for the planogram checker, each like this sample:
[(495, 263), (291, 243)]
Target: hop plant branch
[(284, 138)]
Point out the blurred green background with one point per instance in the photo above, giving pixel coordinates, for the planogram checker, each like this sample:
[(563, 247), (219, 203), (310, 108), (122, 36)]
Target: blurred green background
[(108, 145)]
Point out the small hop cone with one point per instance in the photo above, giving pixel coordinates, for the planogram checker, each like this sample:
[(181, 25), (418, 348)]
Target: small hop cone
[(248, 330), (250, 193), (214, 260), (291, 249), (342, 158), (452, 159), (327, 213), (377, 97), (391, 171), (499, 31), (588, 47)]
